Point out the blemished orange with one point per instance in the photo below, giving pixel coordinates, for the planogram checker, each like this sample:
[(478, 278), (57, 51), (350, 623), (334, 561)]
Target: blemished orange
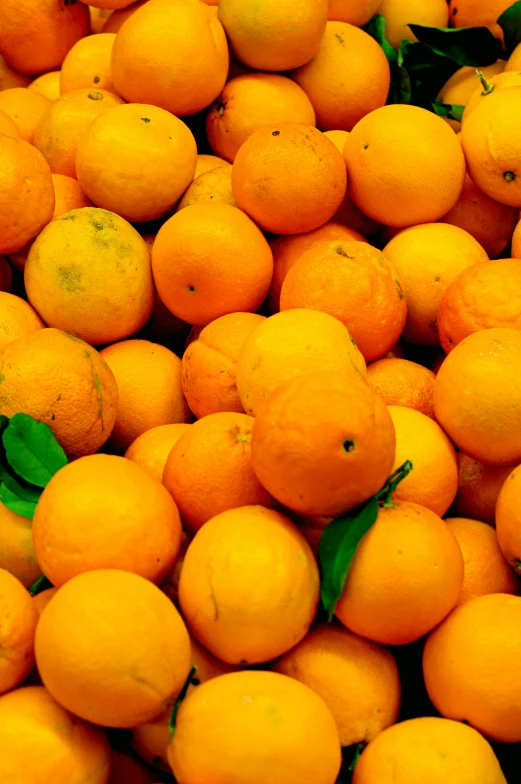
[(288, 250), (323, 443), (16, 547), (488, 221), (470, 666), (427, 259), (89, 274), (62, 126), (460, 86), (37, 34), (443, 751), (19, 620), (507, 519), (211, 187), (357, 679), (136, 160), (400, 382), (114, 22), (210, 362), (68, 195), (474, 13), (415, 545), (208, 162), (340, 103), (485, 568), (209, 469), (405, 165), (47, 84), (478, 489), (41, 740), (483, 424), (353, 11), (290, 344), (144, 371), (171, 54), (17, 319), (125, 519), (289, 178), (356, 284), (249, 585), (398, 14), (88, 64), (9, 77), (433, 482), (26, 108), (481, 297), (285, 36), (150, 450), (497, 82), (8, 126), (195, 263), (26, 194), (91, 659), (270, 728), (250, 101), (42, 599), (77, 398)]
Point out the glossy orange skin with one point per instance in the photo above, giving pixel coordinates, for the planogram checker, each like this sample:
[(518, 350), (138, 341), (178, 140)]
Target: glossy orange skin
[(16, 547), (68, 195), (478, 489), (17, 632), (150, 450), (473, 13), (17, 319), (352, 11), (47, 84), (87, 64), (26, 108), (399, 13), (507, 520), (400, 382)]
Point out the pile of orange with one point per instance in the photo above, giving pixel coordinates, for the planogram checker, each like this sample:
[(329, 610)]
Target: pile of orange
[(242, 289)]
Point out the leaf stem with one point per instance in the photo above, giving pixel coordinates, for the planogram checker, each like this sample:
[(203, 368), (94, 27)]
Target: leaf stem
[(387, 491), (487, 87), (41, 584), (177, 703)]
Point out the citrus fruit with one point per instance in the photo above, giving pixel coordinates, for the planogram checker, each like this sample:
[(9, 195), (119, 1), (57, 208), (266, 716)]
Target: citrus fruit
[(507, 520), (398, 14), (214, 186), (17, 319), (9, 77), (47, 84), (355, 12), (87, 64), (17, 632), (462, 84), (16, 547), (68, 195), (26, 108), (400, 382), (8, 126), (150, 450), (473, 13), (478, 488)]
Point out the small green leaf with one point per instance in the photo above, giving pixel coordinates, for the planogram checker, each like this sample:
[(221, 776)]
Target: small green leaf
[(41, 584), (474, 46), (181, 697), (376, 29), (32, 450), (19, 487), (510, 23), (452, 110), (15, 503), (356, 756)]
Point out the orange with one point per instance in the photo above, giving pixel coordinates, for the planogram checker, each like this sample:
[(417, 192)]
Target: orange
[(92, 660), (195, 263), (11, 78), (488, 221), (474, 13), (124, 519), (323, 443), (115, 19), (149, 385), (506, 79), (516, 242), (173, 54), (109, 4), (483, 424), (398, 14), (470, 666), (489, 137), (214, 186), (88, 64), (462, 84), (288, 250), (507, 520), (89, 274), (26, 193), (37, 34), (478, 489), (41, 740), (357, 679), (150, 450), (405, 165), (427, 259), (255, 727), (291, 344), (210, 362), (353, 11), (16, 547), (340, 101), (8, 126), (430, 750), (136, 160), (19, 620), (77, 398), (433, 482), (285, 36), (47, 84), (26, 108), (514, 61), (249, 585), (355, 283), (207, 162), (209, 469), (64, 122), (289, 178), (415, 545), (17, 319), (250, 101), (400, 382), (41, 600), (68, 195)]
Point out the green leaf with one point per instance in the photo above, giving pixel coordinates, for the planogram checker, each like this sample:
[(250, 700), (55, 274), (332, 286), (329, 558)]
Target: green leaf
[(474, 46), (376, 29), (356, 756), (32, 450), (452, 110), (181, 697), (18, 486), (15, 503), (510, 23), (41, 584)]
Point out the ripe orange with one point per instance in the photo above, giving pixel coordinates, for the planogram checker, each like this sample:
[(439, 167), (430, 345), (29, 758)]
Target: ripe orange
[(405, 165), (514, 61), (26, 108), (507, 520), (8, 126), (470, 666), (354, 12), (209, 469), (289, 178), (208, 162), (19, 620), (483, 424), (47, 84), (356, 678), (210, 362), (400, 382), (478, 489), (398, 14), (413, 544), (16, 547), (462, 84), (150, 450), (473, 13), (77, 398), (497, 82), (87, 64), (427, 259), (171, 54), (250, 101), (89, 274), (114, 21), (355, 283), (17, 319), (194, 261), (516, 242), (93, 662), (68, 195), (214, 186), (26, 193), (144, 371), (11, 78), (41, 600)]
